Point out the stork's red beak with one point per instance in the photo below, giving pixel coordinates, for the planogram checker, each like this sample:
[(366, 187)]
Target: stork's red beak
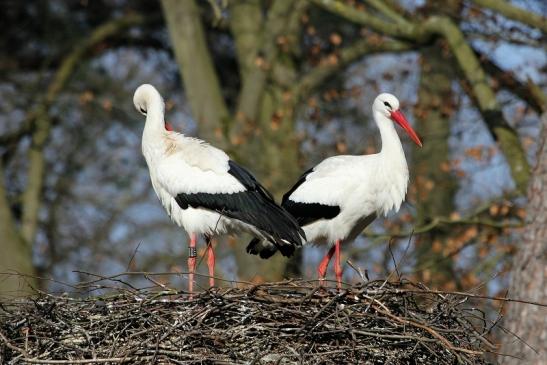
[(169, 127), (399, 117)]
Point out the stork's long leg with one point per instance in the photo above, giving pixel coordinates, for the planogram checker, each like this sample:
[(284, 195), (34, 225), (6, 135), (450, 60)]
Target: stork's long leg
[(322, 269), (192, 253), (210, 260), (337, 266)]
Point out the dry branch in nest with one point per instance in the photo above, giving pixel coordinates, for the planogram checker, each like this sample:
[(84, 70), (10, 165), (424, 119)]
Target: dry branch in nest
[(276, 323)]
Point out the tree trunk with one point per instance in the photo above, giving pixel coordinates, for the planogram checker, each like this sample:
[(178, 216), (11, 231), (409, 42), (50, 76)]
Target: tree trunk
[(435, 190), (528, 276), (274, 154), (15, 254), (265, 136), (201, 83), (17, 241), (261, 133)]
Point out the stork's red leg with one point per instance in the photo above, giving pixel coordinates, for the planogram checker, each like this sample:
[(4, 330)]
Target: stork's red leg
[(211, 262), (322, 269), (337, 266), (192, 253)]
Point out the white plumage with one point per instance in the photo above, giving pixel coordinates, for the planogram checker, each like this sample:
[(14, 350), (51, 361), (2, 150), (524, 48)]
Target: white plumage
[(335, 200), (205, 192)]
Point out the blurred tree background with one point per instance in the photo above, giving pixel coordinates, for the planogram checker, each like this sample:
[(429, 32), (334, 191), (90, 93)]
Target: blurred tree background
[(279, 85)]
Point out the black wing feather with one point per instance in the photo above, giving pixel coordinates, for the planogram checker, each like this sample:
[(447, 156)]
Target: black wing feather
[(306, 213), (295, 186), (255, 206)]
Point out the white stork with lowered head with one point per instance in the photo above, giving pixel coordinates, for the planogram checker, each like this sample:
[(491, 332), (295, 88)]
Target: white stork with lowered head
[(335, 200), (204, 191)]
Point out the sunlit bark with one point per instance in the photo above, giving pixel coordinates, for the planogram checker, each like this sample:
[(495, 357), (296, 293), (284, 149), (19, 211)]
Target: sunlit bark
[(529, 275)]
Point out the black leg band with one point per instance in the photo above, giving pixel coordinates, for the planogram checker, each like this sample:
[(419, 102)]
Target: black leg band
[(192, 251)]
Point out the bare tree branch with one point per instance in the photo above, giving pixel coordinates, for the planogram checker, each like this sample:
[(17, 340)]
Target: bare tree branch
[(42, 122), (406, 30), (529, 92), (469, 64), (347, 55), (485, 99), (440, 221), (387, 10), (20, 244), (515, 13)]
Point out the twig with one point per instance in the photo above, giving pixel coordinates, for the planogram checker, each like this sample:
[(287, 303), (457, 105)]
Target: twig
[(292, 320), (431, 331), (133, 256), (11, 346)]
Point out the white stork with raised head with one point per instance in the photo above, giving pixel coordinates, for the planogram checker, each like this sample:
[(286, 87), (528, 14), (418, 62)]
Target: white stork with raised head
[(335, 200), (204, 191)]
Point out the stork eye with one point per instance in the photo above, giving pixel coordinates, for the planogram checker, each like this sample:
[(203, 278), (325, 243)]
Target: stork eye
[(387, 104), (143, 110)]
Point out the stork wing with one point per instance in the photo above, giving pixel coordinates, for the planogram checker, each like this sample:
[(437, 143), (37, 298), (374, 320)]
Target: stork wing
[(320, 191), (309, 211), (228, 189)]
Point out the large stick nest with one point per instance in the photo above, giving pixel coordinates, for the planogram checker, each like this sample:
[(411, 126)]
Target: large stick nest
[(376, 322)]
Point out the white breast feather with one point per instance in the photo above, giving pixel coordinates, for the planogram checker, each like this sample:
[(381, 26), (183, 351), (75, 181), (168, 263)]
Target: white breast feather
[(391, 190)]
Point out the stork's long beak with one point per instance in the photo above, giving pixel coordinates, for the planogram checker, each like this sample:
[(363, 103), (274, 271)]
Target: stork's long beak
[(399, 117)]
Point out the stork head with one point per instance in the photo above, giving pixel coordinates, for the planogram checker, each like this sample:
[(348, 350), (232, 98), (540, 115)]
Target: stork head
[(146, 96), (388, 106)]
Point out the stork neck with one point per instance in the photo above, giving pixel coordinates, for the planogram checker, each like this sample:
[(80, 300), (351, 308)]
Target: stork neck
[(391, 144), (155, 116), (392, 166)]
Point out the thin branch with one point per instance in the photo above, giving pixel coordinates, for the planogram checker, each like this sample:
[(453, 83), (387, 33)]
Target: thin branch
[(387, 10), (42, 122), (439, 221), (434, 26), (15, 136), (430, 330), (118, 360), (529, 92), (18, 239), (288, 315), (66, 67), (515, 13), (11, 346), (347, 55), (407, 30), (471, 295), (485, 98)]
